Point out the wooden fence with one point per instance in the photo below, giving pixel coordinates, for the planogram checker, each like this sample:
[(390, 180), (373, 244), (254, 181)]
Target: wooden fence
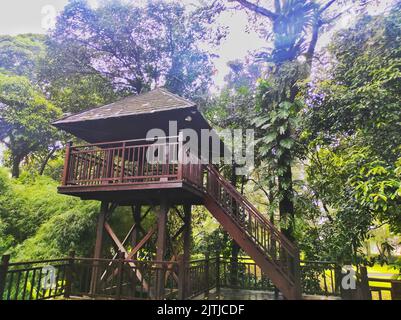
[(140, 279), (384, 289)]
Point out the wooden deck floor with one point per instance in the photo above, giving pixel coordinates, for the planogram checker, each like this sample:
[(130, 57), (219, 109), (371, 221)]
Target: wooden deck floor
[(178, 192)]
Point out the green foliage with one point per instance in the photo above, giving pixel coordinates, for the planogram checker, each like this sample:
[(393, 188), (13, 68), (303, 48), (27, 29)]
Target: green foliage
[(346, 126), (363, 93), (275, 121), (54, 168), (21, 54), (25, 117), (277, 129), (230, 109), (39, 223), (71, 230), (156, 44), (352, 128), (79, 92)]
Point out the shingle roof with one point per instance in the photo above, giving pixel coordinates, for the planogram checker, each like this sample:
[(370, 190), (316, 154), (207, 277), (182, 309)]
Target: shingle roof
[(153, 101)]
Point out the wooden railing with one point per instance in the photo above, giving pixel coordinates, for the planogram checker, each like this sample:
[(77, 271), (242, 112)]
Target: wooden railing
[(34, 280), (243, 274), (202, 276), (266, 237), (116, 278), (131, 162), (384, 289), (119, 279), (125, 279), (72, 277), (321, 278)]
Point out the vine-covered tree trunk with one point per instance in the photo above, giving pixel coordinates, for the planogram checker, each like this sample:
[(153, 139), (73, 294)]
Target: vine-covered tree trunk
[(286, 205), (295, 32)]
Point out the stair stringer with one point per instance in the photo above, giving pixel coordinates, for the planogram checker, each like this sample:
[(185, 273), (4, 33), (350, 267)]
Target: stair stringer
[(289, 291)]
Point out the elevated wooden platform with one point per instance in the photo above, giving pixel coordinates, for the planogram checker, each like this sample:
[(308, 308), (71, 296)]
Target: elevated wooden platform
[(168, 173), (132, 171), (178, 193)]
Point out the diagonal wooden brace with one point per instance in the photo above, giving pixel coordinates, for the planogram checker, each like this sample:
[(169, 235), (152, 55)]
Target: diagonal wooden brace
[(126, 255)]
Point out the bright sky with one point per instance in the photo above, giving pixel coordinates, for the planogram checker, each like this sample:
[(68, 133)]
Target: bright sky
[(28, 16), (25, 16)]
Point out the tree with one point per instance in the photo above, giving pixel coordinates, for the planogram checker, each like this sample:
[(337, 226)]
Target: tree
[(76, 93), (352, 126), (135, 48), (244, 74), (361, 93), (25, 117), (295, 28), (24, 56), (21, 54)]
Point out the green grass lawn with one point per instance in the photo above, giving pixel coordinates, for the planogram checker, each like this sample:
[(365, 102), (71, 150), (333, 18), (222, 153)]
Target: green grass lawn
[(383, 269)]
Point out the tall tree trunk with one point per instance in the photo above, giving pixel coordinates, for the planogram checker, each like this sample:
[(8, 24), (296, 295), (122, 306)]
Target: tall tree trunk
[(235, 248), (16, 160), (286, 204), (46, 161)]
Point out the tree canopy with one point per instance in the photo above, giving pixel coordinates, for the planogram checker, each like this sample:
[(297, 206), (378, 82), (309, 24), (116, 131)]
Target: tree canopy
[(352, 129), (136, 48)]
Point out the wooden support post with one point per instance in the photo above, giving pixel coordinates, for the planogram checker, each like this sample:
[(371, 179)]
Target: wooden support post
[(135, 236), (120, 270), (337, 278), (187, 239), (109, 166), (162, 230), (297, 275), (235, 248), (66, 170), (364, 284), (181, 278), (98, 245), (161, 246), (5, 260), (218, 275), (207, 280), (69, 275), (187, 232), (276, 293), (395, 290), (122, 163), (180, 155)]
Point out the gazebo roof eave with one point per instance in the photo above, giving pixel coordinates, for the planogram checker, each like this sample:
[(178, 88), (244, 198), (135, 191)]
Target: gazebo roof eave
[(157, 100)]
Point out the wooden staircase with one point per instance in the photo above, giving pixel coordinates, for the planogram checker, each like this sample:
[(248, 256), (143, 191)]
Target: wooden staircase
[(255, 234)]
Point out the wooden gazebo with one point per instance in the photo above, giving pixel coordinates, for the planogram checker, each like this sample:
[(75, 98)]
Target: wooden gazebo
[(115, 169)]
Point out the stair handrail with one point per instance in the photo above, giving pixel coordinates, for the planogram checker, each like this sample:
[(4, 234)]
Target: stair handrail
[(283, 239)]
